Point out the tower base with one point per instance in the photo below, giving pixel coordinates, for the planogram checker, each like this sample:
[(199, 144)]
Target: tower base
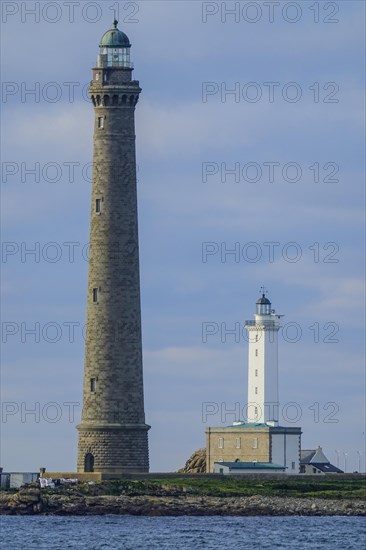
[(112, 448)]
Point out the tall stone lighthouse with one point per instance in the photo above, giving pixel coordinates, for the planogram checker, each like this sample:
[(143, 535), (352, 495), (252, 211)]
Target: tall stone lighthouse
[(263, 402), (113, 432)]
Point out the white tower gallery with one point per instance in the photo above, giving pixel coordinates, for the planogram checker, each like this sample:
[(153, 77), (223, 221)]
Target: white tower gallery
[(113, 432)]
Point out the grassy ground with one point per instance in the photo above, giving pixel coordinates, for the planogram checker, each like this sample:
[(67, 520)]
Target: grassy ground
[(325, 487), (321, 488)]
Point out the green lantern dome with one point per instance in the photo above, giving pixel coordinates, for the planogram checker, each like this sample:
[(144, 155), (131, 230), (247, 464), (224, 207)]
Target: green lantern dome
[(114, 38), (263, 300)]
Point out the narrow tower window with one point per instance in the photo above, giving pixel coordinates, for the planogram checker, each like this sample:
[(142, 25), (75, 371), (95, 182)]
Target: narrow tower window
[(237, 443), (255, 443), (100, 122), (256, 353), (256, 390), (95, 295), (256, 372), (221, 442), (98, 205), (93, 383)]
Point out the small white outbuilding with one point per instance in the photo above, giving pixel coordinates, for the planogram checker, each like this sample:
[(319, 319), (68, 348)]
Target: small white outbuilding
[(235, 468)]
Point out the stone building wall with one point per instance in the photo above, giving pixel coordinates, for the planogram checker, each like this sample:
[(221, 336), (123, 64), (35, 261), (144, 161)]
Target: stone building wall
[(222, 445), (246, 443)]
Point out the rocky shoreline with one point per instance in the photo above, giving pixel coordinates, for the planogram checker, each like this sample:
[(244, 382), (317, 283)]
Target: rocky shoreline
[(31, 500)]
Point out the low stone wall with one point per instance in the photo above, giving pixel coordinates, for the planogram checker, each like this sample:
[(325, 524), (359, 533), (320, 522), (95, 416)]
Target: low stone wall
[(99, 476)]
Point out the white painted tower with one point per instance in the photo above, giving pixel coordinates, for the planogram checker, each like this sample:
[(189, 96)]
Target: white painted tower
[(263, 401)]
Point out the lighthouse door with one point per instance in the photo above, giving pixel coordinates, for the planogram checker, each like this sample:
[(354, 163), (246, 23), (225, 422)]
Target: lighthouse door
[(89, 463)]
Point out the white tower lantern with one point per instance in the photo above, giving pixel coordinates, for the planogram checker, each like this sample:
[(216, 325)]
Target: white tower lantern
[(263, 402)]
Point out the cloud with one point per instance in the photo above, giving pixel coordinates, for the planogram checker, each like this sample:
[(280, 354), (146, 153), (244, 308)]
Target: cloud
[(61, 131), (174, 52)]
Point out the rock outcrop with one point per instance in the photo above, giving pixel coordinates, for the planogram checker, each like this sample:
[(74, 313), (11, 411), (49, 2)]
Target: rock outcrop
[(196, 464), (170, 501), (26, 501)]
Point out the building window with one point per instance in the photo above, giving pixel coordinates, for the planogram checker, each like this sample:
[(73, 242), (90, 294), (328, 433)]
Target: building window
[(97, 76), (221, 442), (95, 295), (256, 337), (237, 442), (256, 411), (292, 465), (256, 372), (256, 353), (256, 390), (100, 122), (255, 443), (302, 469), (93, 383), (98, 205), (314, 470)]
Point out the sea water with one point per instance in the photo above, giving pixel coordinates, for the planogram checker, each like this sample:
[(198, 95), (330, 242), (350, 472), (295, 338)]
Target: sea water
[(183, 532)]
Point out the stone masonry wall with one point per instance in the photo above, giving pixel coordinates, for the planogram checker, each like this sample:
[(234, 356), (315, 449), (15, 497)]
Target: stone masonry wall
[(254, 445)]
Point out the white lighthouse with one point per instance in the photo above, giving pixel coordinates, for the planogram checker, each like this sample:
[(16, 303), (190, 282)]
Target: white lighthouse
[(263, 401), (258, 442)]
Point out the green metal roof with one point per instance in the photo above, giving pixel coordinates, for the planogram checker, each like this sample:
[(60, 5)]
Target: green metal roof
[(114, 38), (249, 425), (263, 300), (256, 465)]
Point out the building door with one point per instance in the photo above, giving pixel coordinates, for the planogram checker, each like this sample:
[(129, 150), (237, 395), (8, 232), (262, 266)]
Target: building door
[(89, 463)]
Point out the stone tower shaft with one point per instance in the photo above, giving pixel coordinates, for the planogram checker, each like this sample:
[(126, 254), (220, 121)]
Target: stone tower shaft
[(113, 433)]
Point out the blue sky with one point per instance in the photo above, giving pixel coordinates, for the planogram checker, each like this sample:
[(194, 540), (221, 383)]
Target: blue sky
[(180, 133)]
